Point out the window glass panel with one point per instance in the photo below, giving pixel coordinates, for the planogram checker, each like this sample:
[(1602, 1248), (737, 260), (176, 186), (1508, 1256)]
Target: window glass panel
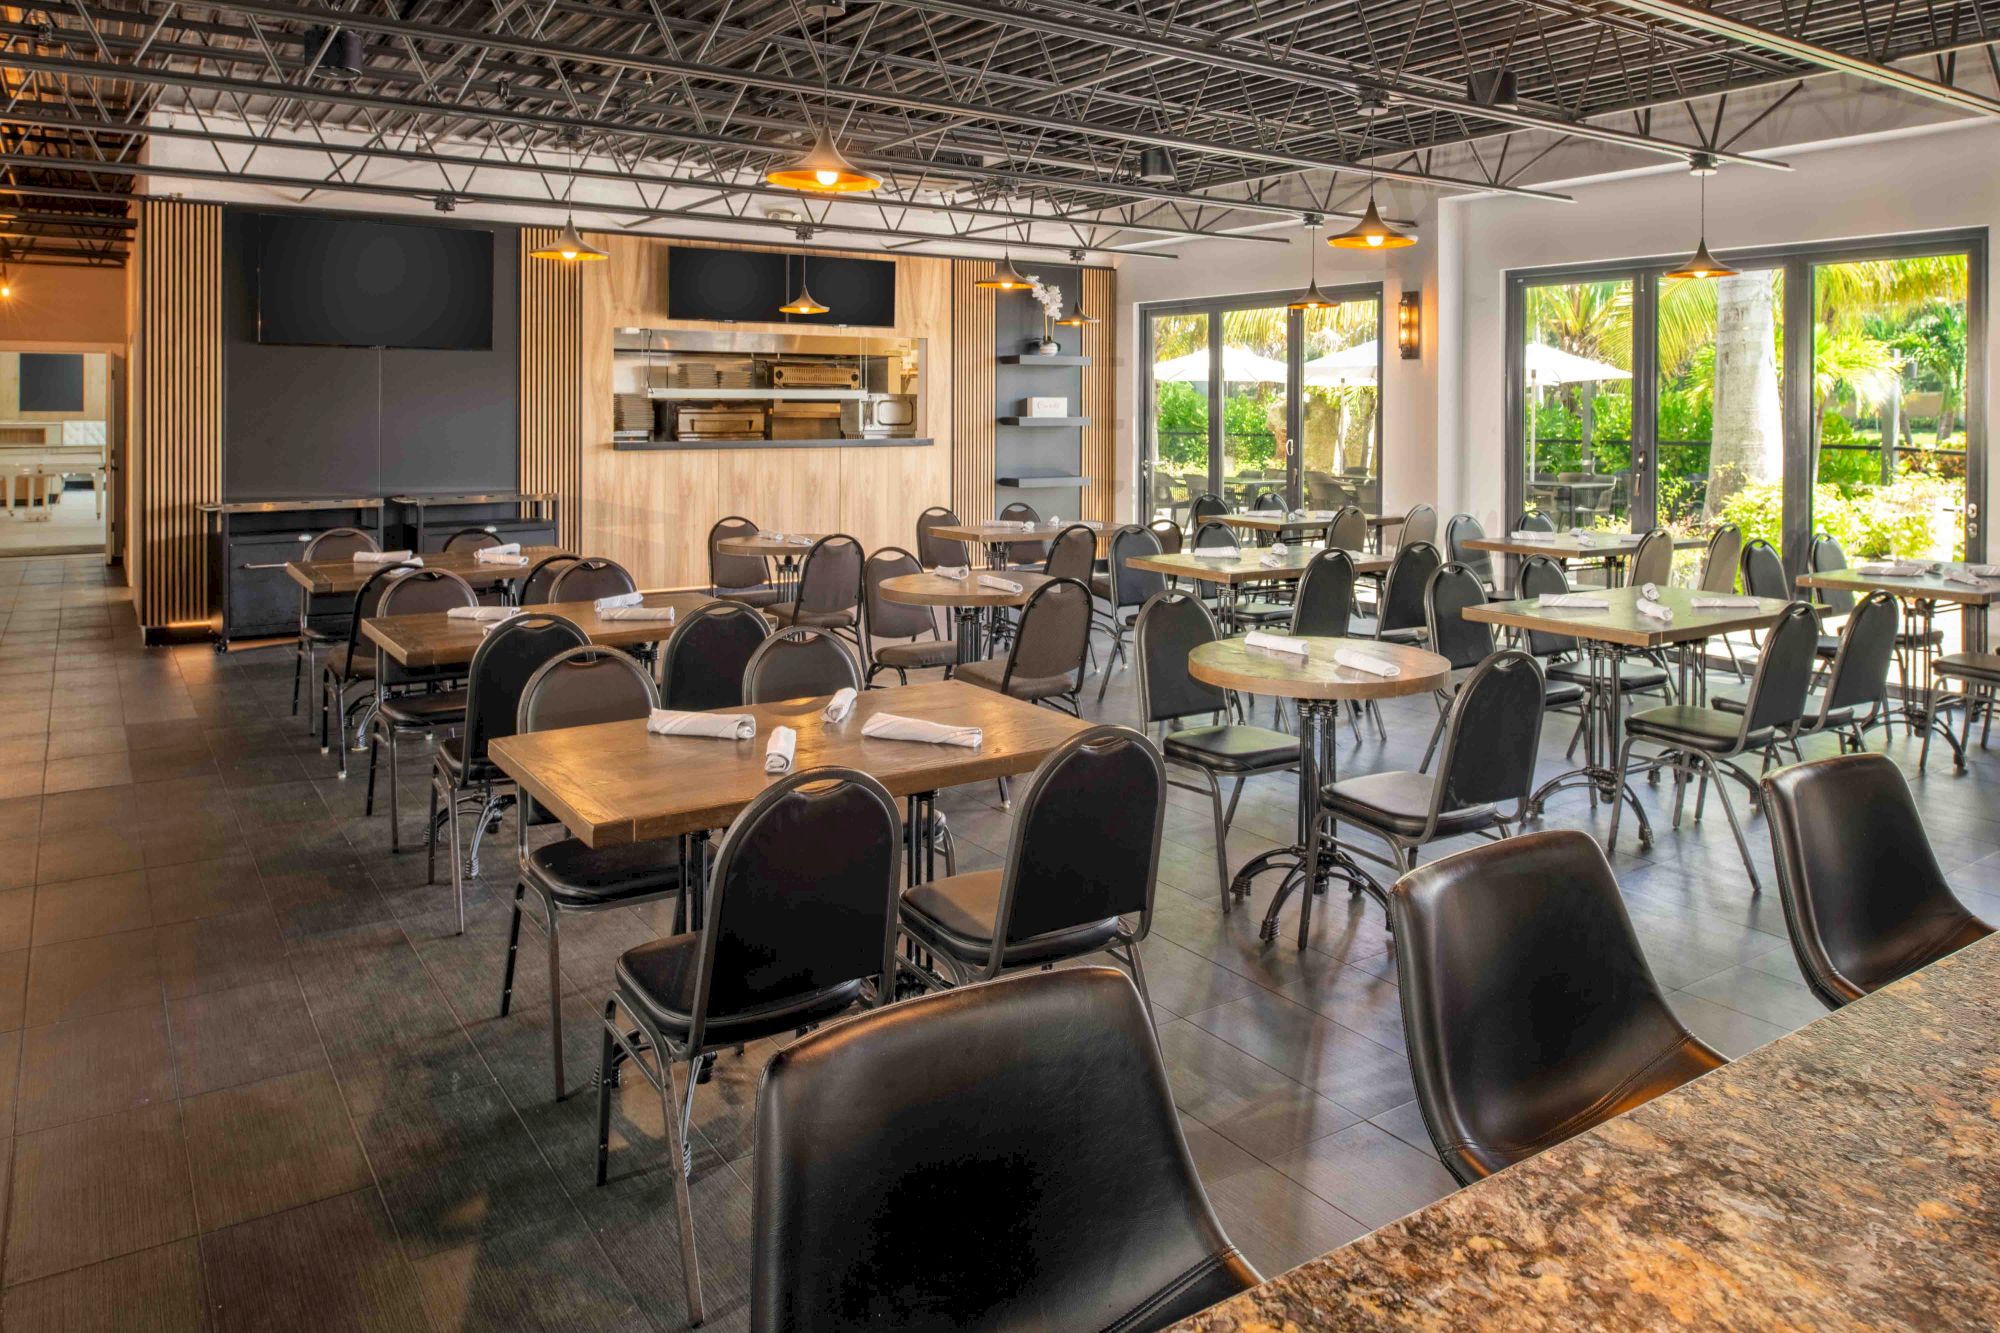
[(1254, 382), (1340, 458), (1179, 413), (1577, 387)]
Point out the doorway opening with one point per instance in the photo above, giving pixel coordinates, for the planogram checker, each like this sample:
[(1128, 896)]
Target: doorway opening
[(59, 418)]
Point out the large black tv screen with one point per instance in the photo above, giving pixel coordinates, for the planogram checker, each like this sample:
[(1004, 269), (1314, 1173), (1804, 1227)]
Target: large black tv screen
[(341, 282), (749, 285)]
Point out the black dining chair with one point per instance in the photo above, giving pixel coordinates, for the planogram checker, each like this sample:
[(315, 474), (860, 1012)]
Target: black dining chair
[(1045, 663), (1652, 560), (461, 771), (1323, 607), (1027, 556), (1170, 533), (1171, 625), (346, 668), (1206, 505), (1529, 1011), (588, 579), (1073, 554), (469, 540), (1540, 576), (1460, 529), (1866, 902), (1763, 574), (798, 664), (1079, 1149), (1420, 524), (916, 644), (1534, 520), (701, 664), (1827, 557), (738, 578), (934, 550), (1127, 591), (409, 701), (323, 620), (1463, 643), (829, 591), (537, 583), (1978, 677), (582, 687), (1400, 610), (1854, 694), (1721, 561), (799, 926), (1348, 529)]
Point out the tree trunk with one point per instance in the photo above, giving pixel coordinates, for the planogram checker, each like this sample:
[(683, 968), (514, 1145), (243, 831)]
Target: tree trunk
[(1747, 442)]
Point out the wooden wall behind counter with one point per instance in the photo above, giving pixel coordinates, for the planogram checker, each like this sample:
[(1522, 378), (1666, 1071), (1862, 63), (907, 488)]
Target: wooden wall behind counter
[(651, 510)]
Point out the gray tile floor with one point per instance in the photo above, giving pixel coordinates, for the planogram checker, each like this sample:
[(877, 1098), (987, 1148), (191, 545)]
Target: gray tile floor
[(251, 1079)]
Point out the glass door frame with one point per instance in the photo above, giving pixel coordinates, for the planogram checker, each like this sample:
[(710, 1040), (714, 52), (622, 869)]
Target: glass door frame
[(1215, 307), (1796, 263)]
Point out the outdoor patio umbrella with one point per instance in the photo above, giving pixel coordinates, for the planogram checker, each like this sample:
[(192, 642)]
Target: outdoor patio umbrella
[(1348, 368), (1545, 365), (1240, 365)]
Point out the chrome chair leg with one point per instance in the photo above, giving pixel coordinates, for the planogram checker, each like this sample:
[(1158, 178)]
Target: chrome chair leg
[(513, 953)]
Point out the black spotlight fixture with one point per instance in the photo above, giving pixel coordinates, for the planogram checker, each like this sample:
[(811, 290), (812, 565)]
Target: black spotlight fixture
[(340, 62), (1156, 166), (1498, 88)]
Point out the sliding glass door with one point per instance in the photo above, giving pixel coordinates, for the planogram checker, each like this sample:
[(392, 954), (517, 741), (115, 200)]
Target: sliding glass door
[(1176, 466), (1575, 378)]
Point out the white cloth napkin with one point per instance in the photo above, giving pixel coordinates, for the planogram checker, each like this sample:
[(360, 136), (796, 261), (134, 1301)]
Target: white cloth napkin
[(890, 727), (1984, 571), (1017, 524), (781, 750), (1368, 662), (504, 553), (839, 706), (1572, 601), (1716, 601), (996, 582), (715, 726), (1278, 643), (1295, 514), (617, 600), (1270, 560), (1218, 553), (385, 557), (489, 614), (659, 613), (1889, 569), (1529, 535), (956, 573), (1277, 548), (409, 566), (1963, 576), (505, 561), (1653, 610), (1650, 591)]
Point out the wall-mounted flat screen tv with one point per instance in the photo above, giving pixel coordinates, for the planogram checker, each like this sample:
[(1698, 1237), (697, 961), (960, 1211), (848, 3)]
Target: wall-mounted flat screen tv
[(748, 286), (350, 282)]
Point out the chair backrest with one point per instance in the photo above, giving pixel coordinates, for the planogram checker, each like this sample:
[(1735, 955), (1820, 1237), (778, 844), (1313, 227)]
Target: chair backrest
[(1403, 591), (1652, 560), (368, 604), (934, 550), (702, 661), (1865, 899), (798, 664), (581, 687), (803, 897), (1543, 576), (1171, 625), (1022, 512), (1719, 560), (1085, 842), (1419, 525), (1528, 1007), (1461, 642), (1206, 505), (510, 654), (1213, 532), (427, 591), (1169, 533), (861, 1141), (1073, 554), (589, 579), (1270, 502), (886, 619), (1777, 696), (1053, 635), (1763, 571), (542, 576), (338, 544), (1535, 521), (1458, 530), (830, 579), (734, 573), (1349, 529), (1324, 602), (1860, 671), (1492, 735), (471, 539), (1827, 557), (1131, 587)]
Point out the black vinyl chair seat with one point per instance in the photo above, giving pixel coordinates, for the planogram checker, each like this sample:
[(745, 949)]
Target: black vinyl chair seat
[(1734, 702), (579, 876), (788, 613), (1263, 613), (451, 758), (955, 915), (1982, 667), (1233, 748), (988, 674), (1829, 644), (1400, 801), (1710, 729), (435, 708), (1364, 627), (1562, 694), (1100, 586), (922, 653), (658, 980), (1634, 677), (354, 666), (764, 595)]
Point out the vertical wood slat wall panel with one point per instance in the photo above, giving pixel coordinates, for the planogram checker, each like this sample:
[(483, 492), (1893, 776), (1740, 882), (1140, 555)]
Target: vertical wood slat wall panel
[(552, 382), (1100, 395), (972, 388), (176, 449)]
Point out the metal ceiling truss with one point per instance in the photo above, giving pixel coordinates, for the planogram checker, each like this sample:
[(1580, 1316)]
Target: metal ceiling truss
[(992, 121)]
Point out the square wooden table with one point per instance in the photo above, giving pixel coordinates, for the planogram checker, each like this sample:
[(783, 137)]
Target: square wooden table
[(617, 783), (1613, 548), (999, 539), (1229, 574), (322, 577), (434, 639)]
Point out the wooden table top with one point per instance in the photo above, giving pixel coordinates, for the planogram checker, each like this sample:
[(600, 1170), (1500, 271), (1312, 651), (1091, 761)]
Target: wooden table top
[(435, 639), (1623, 625), (1269, 520), (1249, 567), (1920, 588), (794, 543), (1234, 665), (1000, 534), (617, 783), (1567, 546), (927, 589), (344, 576)]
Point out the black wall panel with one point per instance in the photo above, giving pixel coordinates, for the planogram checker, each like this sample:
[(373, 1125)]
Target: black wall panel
[(51, 382)]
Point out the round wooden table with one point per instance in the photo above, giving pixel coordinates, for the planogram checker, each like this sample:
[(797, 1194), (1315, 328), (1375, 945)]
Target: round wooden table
[(1319, 685), (786, 553), (969, 599)]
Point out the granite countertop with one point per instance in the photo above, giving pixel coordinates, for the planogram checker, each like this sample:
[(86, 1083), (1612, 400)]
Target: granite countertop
[(1846, 1176)]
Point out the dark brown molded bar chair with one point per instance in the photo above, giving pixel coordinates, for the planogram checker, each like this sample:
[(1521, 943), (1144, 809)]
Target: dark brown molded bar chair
[(916, 644), (1024, 555), (1170, 534), (589, 579), (1528, 1008), (1866, 903), (1045, 663), (536, 583), (1127, 590), (469, 540), (702, 661), (323, 620), (934, 550), (798, 664), (829, 592), (1420, 524), (1073, 554), (860, 1136), (346, 666), (411, 700), (740, 578)]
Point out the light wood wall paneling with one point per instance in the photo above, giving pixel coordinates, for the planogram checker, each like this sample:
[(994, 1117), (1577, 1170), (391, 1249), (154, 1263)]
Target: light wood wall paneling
[(973, 407), (552, 380), (1100, 395), (96, 382), (176, 450)]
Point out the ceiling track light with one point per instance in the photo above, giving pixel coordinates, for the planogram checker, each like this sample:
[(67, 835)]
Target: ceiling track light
[(1499, 88), (1005, 277), (1701, 264), (1371, 233), (341, 55)]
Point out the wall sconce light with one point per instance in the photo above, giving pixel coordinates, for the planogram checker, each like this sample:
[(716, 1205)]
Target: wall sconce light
[(1410, 325)]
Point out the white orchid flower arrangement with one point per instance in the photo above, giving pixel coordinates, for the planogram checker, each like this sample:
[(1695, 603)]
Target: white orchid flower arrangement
[(1050, 297)]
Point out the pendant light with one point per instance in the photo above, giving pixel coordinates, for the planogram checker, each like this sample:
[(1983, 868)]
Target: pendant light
[(6, 279), (1005, 277), (1371, 233), (1076, 319), (822, 169), (1312, 298), (804, 303), (1702, 264), (568, 247)]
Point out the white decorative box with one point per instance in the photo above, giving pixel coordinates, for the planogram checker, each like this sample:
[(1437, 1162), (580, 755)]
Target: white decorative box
[(1048, 407)]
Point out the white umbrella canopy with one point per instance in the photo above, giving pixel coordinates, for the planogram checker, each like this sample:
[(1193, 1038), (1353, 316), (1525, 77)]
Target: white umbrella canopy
[(1552, 365), (1240, 365), (1347, 368)]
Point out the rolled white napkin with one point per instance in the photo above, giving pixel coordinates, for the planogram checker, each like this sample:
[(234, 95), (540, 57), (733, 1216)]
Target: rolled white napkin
[(384, 557), (497, 554), (999, 584), (1572, 601), (1531, 535), (1218, 553), (798, 539), (1984, 571), (1653, 610), (839, 706), (956, 573), (1277, 549), (488, 614), (715, 726), (1272, 560), (1368, 662), (1017, 524), (505, 561), (772, 536), (1295, 515), (617, 600), (890, 727), (1650, 591), (781, 750), (1889, 569), (664, 614), (1278, 643), (409, 566), (1718, 601), (1963, 576)]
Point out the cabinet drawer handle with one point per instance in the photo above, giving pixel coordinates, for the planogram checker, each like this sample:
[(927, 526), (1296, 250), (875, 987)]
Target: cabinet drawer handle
[(276, 564)]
